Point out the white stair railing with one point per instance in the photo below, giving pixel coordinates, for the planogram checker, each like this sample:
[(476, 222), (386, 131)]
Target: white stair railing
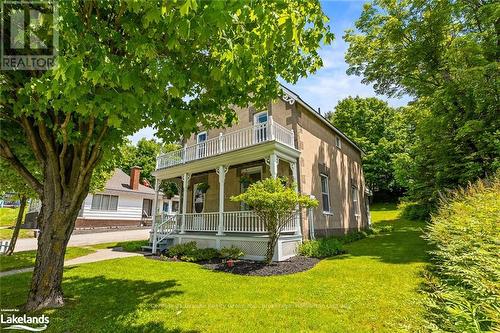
[(164, 229)]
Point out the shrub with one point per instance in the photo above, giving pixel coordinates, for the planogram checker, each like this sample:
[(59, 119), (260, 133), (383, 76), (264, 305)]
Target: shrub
[(463, 283), (231, 253), (201, 255), (275, 202), (321, 248), (133, 246), (415, 211), (180, 250)]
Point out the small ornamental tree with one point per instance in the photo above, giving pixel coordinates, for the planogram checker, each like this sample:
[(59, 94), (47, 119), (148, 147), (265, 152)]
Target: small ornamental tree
[(275, 202)]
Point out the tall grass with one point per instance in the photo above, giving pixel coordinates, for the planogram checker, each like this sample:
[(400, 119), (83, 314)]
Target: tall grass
[(463, 282)]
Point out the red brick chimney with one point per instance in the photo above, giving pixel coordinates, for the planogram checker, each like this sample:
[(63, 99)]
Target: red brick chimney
[(135, 174)]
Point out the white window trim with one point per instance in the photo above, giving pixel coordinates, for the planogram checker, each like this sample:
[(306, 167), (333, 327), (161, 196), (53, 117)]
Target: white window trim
[(255, 116), (198, 136), (321, 176), (105, 210)]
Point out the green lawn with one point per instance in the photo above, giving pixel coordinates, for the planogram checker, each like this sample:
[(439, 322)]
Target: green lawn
[(371, 289), (8, 218), (27, 258)]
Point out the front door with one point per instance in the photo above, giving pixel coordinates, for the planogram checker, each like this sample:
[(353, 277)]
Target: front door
[(147, 207)]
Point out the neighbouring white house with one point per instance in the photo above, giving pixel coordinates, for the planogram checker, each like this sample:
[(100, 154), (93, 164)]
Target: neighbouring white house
[(124, 202), (288, 139)]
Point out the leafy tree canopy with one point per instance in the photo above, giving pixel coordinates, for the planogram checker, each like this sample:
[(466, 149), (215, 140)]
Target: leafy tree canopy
[(124, 65), (445, 54), (378, 129)]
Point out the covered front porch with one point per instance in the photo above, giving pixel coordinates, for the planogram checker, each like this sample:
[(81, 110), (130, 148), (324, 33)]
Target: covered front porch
[(206, 184)]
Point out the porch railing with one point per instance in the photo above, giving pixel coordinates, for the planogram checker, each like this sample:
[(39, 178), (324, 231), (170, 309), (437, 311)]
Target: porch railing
[(234, 222), (246, 137), (238, 221)]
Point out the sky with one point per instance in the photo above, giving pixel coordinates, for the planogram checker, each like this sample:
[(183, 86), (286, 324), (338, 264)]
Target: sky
[(330, 84)]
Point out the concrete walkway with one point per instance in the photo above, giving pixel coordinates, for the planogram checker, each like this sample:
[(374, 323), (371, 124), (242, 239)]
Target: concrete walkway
[(25, 244), (99, 255)]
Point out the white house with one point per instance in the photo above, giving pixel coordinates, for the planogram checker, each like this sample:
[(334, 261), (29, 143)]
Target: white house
[(123, 202)]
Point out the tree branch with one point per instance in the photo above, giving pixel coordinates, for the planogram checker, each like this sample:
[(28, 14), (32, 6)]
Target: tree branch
[(62, 165), (8, 155), (33, 140)]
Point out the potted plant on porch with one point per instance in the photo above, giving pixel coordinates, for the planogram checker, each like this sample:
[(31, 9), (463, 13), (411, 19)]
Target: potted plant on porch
[(203, 187)]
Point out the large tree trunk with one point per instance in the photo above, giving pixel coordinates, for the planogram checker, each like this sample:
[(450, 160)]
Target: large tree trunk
[(19, 221), (67, 163), (56, 222)]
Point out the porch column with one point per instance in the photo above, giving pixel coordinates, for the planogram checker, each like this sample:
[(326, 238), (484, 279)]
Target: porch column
[(185, 183), (295, 176), (221, 171), (273, 165), (155, 211)]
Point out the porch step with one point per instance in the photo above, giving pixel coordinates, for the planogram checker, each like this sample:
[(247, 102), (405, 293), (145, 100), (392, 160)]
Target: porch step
[(163, 245)]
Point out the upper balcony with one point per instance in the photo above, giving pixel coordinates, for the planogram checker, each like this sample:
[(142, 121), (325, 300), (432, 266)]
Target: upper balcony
[(237, 140)]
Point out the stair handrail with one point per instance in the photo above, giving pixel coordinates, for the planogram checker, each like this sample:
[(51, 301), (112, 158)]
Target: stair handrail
[(165, 228)]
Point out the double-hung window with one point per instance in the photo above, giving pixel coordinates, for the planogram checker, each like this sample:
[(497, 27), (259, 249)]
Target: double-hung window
[(355, 201), (325, 193), (104, 202)]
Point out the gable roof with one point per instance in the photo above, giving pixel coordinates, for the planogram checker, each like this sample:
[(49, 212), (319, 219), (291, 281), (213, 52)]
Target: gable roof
[(319, 116), (120, 181)]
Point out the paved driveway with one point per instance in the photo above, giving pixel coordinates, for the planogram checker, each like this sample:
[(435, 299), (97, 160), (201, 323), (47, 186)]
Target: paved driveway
[(24, 244)]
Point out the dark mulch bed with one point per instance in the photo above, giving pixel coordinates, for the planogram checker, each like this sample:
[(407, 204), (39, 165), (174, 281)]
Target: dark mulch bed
[(258, 268)]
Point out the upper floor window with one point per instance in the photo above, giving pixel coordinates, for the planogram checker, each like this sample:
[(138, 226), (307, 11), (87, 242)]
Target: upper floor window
[(338, 142), (201, 146), (325, 193), (260, 118), (201, 137), (104, 202), (259, 121)]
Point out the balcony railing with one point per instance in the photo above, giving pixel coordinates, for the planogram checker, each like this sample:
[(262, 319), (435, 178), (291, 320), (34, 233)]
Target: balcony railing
[(250, 136)]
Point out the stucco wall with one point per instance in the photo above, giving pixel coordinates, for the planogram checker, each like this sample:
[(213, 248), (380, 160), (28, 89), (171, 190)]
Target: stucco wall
[(319, 154), (316, 142)]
